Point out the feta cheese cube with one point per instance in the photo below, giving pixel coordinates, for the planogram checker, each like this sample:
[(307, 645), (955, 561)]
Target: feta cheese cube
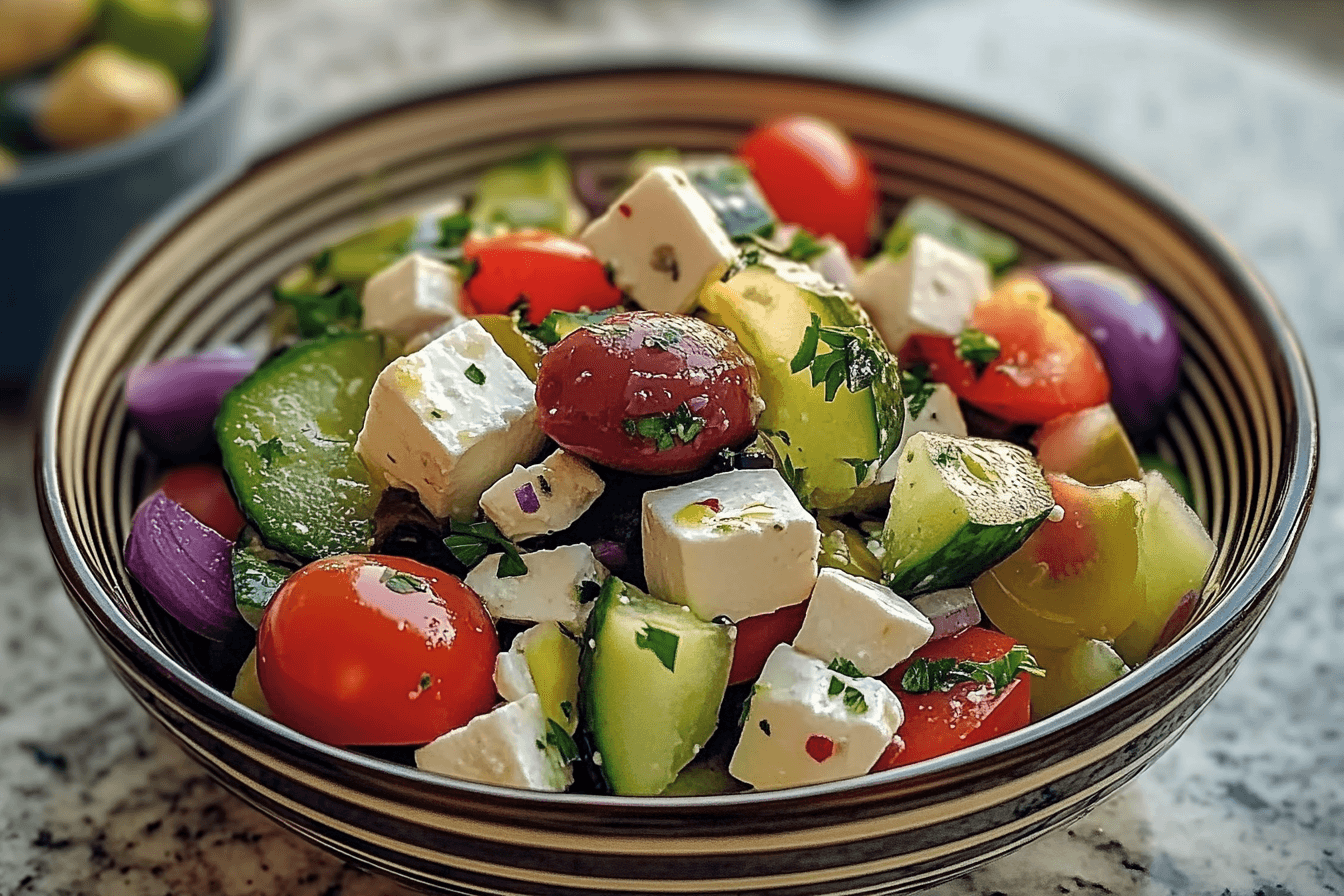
[(861, 621), (931, 288), (513, 677), (940, 412), (552, 590), (506, 746), (410, 296), (736, 544), (449, 420), (662, 240), (807, 724), (425, 337), (951, 611), (542, 498)]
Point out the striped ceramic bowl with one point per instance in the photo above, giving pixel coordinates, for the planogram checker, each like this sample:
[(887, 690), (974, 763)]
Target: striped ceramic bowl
[(1244, 427)]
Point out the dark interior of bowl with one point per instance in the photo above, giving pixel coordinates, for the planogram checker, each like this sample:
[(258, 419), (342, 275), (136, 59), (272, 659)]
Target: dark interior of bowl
[(1243, 427)]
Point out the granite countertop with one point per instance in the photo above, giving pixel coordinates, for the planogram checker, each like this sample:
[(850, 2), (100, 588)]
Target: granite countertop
[(1250, 801)]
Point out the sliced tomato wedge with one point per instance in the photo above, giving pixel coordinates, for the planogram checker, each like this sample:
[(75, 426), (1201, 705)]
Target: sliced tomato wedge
[(942, 722), (1044, 367), (541, 270), (758, 635)]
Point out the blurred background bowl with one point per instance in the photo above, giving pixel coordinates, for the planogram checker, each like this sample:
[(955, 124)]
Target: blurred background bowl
[(64, 213), (1244, 428)]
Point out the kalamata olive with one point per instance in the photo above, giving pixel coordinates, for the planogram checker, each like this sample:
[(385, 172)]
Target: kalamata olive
[(1134, 330), (648, 392)]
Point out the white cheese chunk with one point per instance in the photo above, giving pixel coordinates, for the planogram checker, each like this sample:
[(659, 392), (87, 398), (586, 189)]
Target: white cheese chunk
[(562, 486), (551, 591), (662, 241), (807, 724), (513, 677), (506, 746), (415, 294), (941, 413), (737, 544), (449, 420), (931, 288), (425, 337), (860, 621)]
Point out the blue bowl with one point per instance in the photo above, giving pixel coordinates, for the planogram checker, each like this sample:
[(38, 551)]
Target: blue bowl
[(65, 213)]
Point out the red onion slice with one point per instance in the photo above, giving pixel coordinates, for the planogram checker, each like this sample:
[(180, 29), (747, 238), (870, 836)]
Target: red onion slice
[(527, 499), (951, 611), (184, 565), (174, 402)]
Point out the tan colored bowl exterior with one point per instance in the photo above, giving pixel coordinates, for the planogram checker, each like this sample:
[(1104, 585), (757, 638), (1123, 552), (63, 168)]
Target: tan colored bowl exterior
[(1245, 427)]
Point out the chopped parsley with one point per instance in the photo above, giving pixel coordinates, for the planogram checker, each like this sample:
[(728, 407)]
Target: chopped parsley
[(666, 430), (836, 687), (470, 542), (925, 675), (804, 247), (425, 681), (320, 312), (861, 467), (852, 361), (402, 582), (845, 667), (558, 737), (977, 348), (851, 696), (917, 387), (764, 726), (567, 708), (475, 374), (453, 230), (270, 449), (662, 643), (559, 324), (776, 443)]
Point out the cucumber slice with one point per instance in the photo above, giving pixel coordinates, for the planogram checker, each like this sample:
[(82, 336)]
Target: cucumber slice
[(1089, 445), (833, 440), (652, 678), (287, 436), (532, 191), (1072, 674), (553, 661), (923, 214), (958, 507), (247, 686), (256, 577)]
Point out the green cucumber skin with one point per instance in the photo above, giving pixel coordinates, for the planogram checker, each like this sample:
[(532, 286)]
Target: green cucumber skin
[(665, 738), (310, 495), (255, 582), (961, 560)]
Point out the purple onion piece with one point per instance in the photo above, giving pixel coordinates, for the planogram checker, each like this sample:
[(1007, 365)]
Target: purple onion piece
[(184, 565), (527, 499), (610, 554), (1134, 330), (597, 184), (951, 611), (174, 402)]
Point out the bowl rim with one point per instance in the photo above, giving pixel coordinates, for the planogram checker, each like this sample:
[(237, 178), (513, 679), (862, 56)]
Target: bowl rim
[(1300, 456), (217, 85)]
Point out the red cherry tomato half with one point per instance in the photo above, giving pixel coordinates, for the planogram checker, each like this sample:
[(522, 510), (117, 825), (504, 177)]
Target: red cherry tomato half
[(812, 175), (648, 392), (203, 493), (547, 271), (374, 650), (970, 713), (758, 635), (1045, 367)]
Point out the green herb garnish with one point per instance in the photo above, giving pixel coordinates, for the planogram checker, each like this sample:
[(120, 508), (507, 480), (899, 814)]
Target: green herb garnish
[(271, 449), (666, 430), (924, 676), (977, 348), (917, 388), (836, 687), (851, 362), (804, 247), (475, 374), (470, 542), (559, 738), (402, 582), (662, 643), (317, 313), (854, 701), (845, 667), (453, 230), (548, 331)]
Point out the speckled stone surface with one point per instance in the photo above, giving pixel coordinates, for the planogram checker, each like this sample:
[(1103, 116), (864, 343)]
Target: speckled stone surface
[(93, 800)]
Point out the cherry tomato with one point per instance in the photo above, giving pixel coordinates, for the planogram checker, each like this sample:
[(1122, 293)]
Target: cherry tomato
[(758, 635), (203, 493), (376, 650), (648, 392), (547, 271), (943, 721), (1044, 368), (813, 175)]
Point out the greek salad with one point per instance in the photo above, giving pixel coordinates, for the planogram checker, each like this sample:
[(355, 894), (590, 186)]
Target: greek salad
[(667, 477)]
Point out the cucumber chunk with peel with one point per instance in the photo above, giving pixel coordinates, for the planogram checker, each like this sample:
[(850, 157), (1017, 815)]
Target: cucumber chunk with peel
[(958, 507), (652, 678)]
